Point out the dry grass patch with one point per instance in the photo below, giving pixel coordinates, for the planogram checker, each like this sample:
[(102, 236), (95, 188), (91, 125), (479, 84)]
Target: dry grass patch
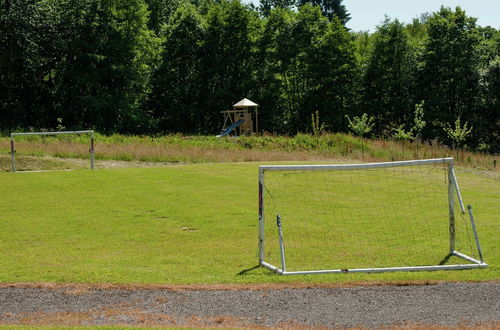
[(208, 149)]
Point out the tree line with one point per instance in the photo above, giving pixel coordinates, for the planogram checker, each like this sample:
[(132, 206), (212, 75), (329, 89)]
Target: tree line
[(167, 66)]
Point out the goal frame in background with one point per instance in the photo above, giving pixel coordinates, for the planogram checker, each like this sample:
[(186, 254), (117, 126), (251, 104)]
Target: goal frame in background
[(453, 189), (13, 149)]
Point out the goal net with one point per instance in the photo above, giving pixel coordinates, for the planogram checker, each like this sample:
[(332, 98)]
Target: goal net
[(396, 216), (74, 143)]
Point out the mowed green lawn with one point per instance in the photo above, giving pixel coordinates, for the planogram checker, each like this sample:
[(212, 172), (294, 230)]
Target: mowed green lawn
[(179, 224)]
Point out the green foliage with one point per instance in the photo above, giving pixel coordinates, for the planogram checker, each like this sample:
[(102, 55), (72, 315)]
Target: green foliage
[(418, 125), (60, 126), (22, 65), (450, 80), (364, 48), (402, 135), (318, 128), (171, 66), (93, 63), (160, 12), (487, 129), (418, 119), (390, 78), (330, 8), (459, 133), (177, 98), (267, 5), (361, 126), (316, 65), (227, 61)]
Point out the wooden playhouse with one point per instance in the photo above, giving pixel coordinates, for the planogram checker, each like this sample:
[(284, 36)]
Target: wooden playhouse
[(243, 119)]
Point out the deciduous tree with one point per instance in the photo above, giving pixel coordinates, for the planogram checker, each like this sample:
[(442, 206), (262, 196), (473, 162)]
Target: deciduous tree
[(330, 8), (450, 77)]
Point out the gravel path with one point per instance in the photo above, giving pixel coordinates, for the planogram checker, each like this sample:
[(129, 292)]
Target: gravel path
[(445, 304)]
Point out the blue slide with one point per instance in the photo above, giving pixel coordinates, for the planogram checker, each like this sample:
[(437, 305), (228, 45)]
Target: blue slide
[(230, 128)]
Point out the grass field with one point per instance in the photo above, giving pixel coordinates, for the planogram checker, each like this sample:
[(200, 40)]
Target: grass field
[(176, 224)]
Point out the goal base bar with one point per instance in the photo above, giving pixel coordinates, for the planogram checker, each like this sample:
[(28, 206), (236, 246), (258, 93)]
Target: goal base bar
[(378, 270)]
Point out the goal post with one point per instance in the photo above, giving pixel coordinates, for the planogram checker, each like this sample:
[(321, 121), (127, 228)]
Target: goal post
[(13, 148), (373, 217)]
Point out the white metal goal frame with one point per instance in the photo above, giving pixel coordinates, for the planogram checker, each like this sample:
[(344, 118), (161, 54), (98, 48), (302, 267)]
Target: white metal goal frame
[(13, 149), (453, 189)]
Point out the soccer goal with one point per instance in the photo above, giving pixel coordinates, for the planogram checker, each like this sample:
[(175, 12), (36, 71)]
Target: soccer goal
[(375, 217), (13, 147)]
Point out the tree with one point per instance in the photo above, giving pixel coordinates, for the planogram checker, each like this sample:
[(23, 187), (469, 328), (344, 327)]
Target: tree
[(160, 12), (361, 126), (267, 81), (403, 136), (105, 55), (329, 8), (486, 121), (284, 68), (364, 48), (334, 72), (457, 134), (489, 44), (450, 78), (177, 97), (227, 63), (21, 65), (418, 122), (315, 65), (418, 119), (317, 127), (487, 126), (389, 82), (267, 5)]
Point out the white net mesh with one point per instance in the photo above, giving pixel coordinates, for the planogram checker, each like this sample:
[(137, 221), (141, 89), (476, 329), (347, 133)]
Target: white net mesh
[(62, 150), (362, 218)]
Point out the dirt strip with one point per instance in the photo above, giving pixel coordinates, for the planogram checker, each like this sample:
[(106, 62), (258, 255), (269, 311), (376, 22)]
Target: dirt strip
[(455, 304)]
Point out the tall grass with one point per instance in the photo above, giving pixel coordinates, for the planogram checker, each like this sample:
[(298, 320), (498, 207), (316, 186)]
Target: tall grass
[(200, 149)]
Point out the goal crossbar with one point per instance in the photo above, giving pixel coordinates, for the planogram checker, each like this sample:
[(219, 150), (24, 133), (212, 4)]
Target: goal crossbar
[(340, 167), (13, 149), (453, 189)]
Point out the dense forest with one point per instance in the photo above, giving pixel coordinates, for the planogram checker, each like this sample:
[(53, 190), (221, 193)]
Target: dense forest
[(167, 66)]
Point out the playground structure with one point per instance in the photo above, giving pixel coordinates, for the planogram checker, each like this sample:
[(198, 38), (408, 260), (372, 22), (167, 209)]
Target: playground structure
[(243, 119)]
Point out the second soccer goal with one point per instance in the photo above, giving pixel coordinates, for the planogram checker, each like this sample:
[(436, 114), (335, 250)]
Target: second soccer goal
[(42, 144), (375, 217)]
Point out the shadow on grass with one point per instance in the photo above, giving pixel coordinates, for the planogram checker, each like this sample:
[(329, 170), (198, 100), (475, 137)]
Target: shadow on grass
[(445, 259), (248, 270)]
